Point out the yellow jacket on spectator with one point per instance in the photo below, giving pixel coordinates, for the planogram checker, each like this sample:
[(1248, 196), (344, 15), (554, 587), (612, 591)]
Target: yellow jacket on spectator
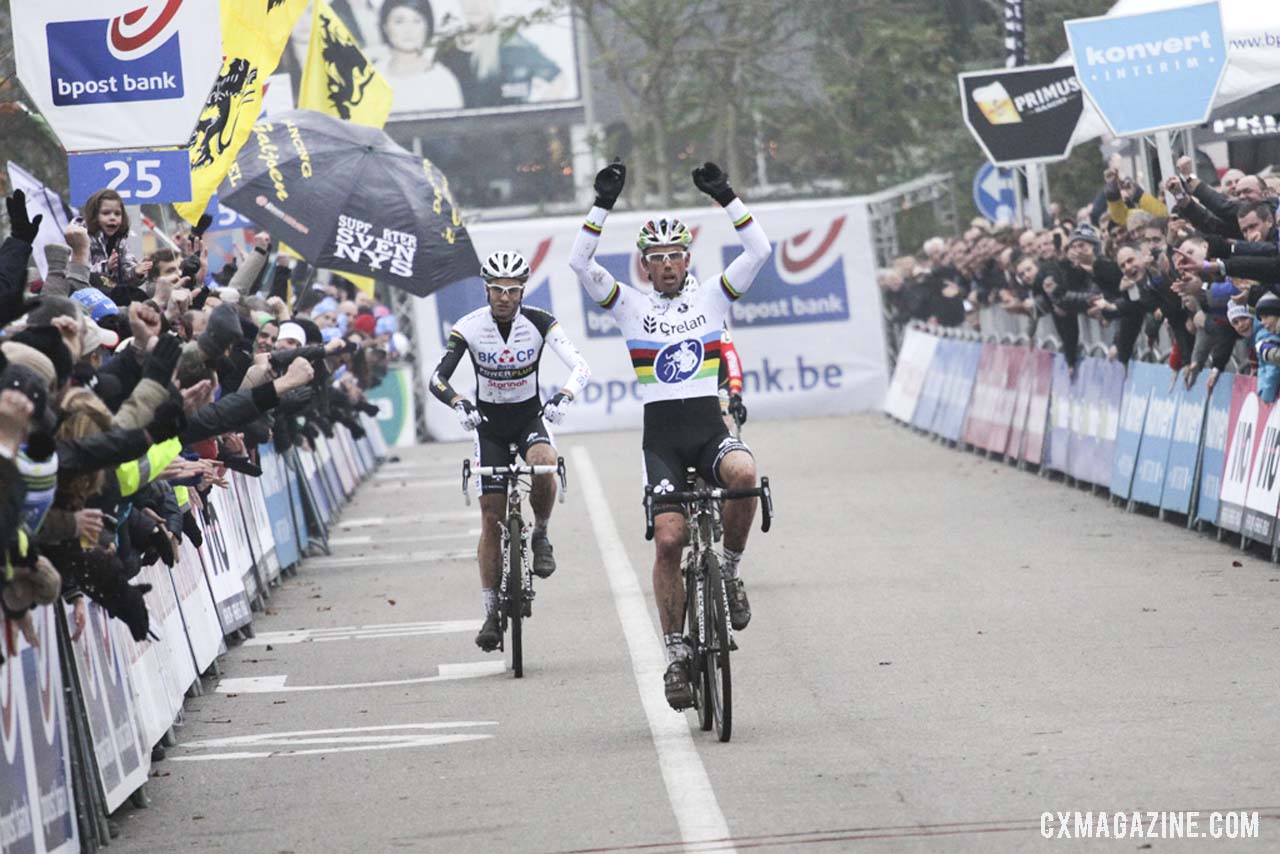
[(1118, 210), (136, 474)]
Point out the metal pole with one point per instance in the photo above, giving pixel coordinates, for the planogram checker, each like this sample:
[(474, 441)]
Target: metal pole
[(1164, 147), (1034, 196), (585, 161)]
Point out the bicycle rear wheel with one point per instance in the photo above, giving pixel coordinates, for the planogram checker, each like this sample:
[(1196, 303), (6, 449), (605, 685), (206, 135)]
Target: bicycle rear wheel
[(718, 675), (515, 591)]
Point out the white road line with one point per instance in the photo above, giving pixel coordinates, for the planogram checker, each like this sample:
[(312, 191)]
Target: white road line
[(688, 787), (389, 630), (371, 521), (276, 684), (366, 539), (390, 737)]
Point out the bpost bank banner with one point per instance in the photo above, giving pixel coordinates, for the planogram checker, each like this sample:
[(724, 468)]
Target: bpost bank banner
[(808, 331), (117, 73)]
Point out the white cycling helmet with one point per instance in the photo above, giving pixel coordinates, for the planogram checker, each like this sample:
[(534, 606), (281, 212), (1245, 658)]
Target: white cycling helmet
[(664, 232), (505, 265)]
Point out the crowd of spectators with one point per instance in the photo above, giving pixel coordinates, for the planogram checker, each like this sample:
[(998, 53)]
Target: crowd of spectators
[(1207, 270), (129, 388)]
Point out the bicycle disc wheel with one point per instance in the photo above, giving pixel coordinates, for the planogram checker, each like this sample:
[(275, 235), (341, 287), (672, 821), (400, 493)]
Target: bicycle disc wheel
[(717, 653), (515, 592)]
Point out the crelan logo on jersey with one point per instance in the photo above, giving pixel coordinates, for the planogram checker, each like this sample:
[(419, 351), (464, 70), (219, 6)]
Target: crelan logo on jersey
[(653, 325)]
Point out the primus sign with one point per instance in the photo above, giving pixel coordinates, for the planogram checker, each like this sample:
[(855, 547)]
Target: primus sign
[(1022, 115), (1130, 64), (110, 75)]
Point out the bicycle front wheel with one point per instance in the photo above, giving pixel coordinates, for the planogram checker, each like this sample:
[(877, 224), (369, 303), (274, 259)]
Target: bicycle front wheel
[(515, 591), (719, 680)]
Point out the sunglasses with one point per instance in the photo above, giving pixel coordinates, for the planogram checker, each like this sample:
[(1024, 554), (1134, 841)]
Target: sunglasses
[(664, 257), (506, 290)]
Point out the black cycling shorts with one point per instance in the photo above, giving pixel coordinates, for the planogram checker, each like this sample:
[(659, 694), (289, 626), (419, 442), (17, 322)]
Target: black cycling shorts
[(683, 434), (493, 448)]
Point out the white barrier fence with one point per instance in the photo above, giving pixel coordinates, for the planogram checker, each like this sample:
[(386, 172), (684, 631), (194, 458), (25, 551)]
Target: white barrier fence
[(79, 719)]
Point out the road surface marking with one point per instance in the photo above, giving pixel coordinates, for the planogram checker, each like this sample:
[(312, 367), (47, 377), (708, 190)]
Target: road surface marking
[(346, 740), (688, 787), (276, 684), (371, 521), (367, 539), (385, 630)]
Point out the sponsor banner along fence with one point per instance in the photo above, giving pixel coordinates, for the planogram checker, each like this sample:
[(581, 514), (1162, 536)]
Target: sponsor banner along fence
[(808, 330), (124, 694), (1211, 454)]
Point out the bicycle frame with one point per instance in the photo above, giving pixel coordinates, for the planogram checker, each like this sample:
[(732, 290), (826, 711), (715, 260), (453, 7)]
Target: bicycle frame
[(709, 662), (515, 589)]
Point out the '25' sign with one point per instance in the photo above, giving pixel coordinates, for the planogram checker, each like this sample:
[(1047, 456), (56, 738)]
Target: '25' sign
[(140, 177)]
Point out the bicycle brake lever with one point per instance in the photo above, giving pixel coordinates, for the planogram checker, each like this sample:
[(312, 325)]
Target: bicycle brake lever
[(564, 481), (766, 516), (466, 476)]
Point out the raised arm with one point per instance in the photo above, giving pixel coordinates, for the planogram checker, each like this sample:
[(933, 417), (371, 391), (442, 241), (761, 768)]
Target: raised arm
[(598, 281), (741, 272)]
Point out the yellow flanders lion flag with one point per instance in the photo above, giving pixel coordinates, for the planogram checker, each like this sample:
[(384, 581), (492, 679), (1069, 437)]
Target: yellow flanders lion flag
[(254, 34), (339, 79)]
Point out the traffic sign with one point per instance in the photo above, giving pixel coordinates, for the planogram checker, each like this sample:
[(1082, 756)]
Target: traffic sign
[(995, 192), (140, 177), (1022, 115), (1154, 71)]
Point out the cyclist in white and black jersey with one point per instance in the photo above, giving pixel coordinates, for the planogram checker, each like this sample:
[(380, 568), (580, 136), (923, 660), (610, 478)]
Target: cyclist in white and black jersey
[(505, 340), (674, 337)]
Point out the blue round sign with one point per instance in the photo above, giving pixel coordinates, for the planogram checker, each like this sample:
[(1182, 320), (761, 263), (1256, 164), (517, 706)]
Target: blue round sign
[(677, 362), (995, 193)]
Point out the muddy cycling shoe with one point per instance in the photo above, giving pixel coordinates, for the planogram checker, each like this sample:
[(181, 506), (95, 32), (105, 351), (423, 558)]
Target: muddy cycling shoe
[(544, 559), (490, 637), (739, 607), (678, 685)]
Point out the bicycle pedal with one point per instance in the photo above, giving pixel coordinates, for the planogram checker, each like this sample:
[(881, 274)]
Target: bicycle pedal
[(733, 645)]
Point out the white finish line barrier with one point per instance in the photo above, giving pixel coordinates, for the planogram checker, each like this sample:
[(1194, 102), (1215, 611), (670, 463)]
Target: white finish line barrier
[(79, 719)]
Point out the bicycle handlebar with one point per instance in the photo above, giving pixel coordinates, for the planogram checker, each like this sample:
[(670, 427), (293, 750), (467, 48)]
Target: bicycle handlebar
[(763, 492), (514, 471)]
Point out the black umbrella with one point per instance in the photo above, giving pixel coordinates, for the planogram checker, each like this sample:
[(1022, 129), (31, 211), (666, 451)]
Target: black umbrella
[(346, 197)]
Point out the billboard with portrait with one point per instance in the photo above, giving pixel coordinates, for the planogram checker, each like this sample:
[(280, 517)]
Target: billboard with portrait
[(458, 57)]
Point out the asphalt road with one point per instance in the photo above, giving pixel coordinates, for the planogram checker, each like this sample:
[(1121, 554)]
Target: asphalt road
[(943, 649)]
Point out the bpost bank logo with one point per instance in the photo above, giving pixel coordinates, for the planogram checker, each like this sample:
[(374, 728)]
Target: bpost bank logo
[(804, 283), (461, 298), (675, 363), (132, 57)]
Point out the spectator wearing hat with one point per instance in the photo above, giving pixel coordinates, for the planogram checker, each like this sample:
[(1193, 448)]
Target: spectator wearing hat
[(1266, 342)]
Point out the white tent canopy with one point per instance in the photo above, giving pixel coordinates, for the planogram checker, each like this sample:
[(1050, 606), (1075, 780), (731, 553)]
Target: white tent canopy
[(1252, 28)]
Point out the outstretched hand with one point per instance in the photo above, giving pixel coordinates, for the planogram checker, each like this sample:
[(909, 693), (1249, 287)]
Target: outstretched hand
[(20, 226), (714, 181), (609, 183)]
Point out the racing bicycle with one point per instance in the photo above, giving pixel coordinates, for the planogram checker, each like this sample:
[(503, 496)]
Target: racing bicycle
[(709, 632), (515, 592)]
